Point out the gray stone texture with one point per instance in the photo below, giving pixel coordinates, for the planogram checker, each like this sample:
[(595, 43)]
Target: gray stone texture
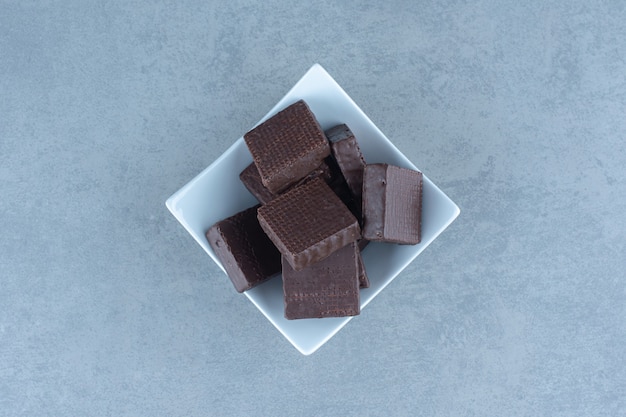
[(515, 109)]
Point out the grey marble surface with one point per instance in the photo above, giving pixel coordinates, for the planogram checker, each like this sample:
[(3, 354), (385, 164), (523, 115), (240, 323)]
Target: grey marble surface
[(515, 109)]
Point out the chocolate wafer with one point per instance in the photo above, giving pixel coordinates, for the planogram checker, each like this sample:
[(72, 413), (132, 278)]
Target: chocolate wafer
[(251, 179), (247, 254), (287, 146), (328, 288), (347, 153), (392, 204), (364, 281), (308, 223)]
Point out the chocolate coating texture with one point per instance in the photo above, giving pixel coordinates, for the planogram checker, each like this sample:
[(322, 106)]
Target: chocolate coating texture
[(247, 254), (345, 149), (308, 223), (392, 204), (287, 146), (328, 288), (251, 179)]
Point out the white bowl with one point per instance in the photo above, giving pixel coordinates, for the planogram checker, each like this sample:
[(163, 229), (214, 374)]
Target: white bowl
[(217, 193)]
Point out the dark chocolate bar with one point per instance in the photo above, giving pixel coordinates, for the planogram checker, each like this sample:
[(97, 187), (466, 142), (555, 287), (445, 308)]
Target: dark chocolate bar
[(247, 254), (287, 146), (347, 153), (308, 223), (392, 204), (328, 288)]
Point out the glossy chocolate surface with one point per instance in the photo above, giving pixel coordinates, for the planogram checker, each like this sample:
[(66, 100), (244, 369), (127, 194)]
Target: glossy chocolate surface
[(328, 288), (247, 254), (392, 204), (346, 151), (308, 223), (287, 146)]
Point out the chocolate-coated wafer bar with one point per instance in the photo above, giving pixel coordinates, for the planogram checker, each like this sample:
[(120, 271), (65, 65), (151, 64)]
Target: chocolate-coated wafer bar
[(338, 184), (363, 278), (308, 223), (364, 281), (287, 146), (247, 254), (328, 288), (341, 189), (347, 153), (251, 179), (392, 204)]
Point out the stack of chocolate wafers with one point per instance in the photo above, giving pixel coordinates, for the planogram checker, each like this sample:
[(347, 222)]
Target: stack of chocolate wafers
[(320, 204)]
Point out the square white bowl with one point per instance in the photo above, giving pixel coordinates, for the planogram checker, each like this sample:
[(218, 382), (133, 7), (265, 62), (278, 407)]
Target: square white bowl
[(217, 193)]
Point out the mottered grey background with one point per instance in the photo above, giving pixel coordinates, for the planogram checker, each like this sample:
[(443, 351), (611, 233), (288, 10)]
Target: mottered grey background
[(515, 109)]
